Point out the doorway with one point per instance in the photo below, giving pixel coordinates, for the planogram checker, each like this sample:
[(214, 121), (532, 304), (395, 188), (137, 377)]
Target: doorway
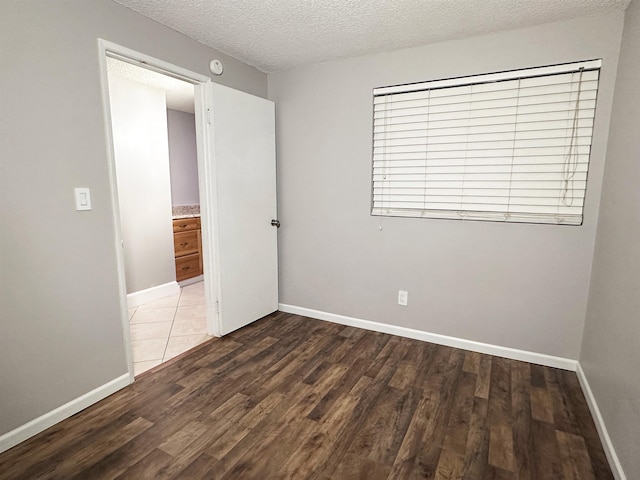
[(235, 133), (154, 138), (156, 309)]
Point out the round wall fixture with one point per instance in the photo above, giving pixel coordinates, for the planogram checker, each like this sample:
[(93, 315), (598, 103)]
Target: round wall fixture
[(216, 66)]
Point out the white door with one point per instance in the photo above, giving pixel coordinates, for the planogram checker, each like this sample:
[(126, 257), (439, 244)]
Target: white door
[(243, 177)]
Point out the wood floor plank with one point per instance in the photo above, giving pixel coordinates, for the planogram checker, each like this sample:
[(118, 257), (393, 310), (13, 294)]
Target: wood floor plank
[(194, 449), (419, 432), (570, 384), (404, 376), (267, 459), (114, 463), (458, 424), (496, 473), (500, 392), (450, 465), (564, 416), (472, 362), (291, 397), (541, 406), (477, 450), (180, 440), (521, 420), (343, 385), (501, 453), (576, 464), (147, 467), (198, 468), (484, 377), (262, 409), (546, 454), (315, 450), (355, 467), (445, 375)]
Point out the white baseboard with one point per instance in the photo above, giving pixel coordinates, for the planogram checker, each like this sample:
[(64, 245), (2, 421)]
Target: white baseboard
[(147, 295), (609, 451), (507, 352), (190, 281), (29, 429)]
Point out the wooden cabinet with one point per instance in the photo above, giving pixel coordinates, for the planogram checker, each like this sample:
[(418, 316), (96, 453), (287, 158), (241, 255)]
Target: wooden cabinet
[(187, 244)]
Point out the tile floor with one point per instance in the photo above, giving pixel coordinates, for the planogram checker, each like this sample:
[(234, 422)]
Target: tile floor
[(165, 328)]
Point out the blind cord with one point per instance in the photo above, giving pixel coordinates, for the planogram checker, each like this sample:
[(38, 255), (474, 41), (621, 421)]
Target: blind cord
[(571, 162), (426, 152), (387, 123), (507, 214)]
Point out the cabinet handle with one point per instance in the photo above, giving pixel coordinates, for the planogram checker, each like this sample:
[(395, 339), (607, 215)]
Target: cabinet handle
[(184, 244)]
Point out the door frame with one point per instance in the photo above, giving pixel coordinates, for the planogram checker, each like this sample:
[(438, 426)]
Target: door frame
[(206, 166)]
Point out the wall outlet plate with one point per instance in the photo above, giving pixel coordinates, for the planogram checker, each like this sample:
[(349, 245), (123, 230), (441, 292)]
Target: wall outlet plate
[(403, 298), (83, 198)]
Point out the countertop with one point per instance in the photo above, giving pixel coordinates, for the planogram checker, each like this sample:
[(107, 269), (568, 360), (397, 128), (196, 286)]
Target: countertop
[(185, 211)]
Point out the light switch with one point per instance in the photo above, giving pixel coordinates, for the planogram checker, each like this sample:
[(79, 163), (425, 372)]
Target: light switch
[(83, 198)]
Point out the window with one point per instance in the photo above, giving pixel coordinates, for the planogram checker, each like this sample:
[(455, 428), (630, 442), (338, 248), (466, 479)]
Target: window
[(511, 146)]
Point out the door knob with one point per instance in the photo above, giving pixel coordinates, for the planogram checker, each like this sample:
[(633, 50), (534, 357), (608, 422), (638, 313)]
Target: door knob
[(275, 223)]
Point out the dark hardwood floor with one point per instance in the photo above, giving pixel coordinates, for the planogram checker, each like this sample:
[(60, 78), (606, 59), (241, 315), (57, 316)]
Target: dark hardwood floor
[(294, 398)]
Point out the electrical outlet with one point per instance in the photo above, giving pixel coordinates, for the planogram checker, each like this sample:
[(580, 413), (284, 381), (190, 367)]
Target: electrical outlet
[(403, 297)]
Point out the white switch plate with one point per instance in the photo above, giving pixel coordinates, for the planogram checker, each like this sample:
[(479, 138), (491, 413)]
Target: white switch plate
[(403, 297), (83, 198)]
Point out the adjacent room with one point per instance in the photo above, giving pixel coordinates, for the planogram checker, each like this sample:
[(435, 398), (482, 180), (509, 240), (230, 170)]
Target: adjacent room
[(411, 238)]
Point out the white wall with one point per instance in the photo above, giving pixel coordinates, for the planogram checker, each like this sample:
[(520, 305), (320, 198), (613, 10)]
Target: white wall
[(183, 158), (610, 354), (140, 142), (520, 286), (61, 327)]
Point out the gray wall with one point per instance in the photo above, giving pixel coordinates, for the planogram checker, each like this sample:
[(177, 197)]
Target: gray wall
[(140, 145), (521, 286), (610, 354), (183, 158), (61, 328)]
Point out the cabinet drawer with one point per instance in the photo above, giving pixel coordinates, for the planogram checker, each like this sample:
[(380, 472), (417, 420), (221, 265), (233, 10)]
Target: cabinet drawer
[(187, 267), (184, 224), (185, 243)]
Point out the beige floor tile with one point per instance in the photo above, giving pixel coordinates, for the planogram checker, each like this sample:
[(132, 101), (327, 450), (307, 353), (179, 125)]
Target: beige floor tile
[(139, 367), (178, 345), (187, 312), (189, 326), (190, 299), (150, 331), (194, 289), (166, 302), (153, 315), (165, 328), (145, 350)]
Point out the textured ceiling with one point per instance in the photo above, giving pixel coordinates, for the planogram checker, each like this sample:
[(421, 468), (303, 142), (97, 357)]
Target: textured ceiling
[(179, 94), (275, 35)]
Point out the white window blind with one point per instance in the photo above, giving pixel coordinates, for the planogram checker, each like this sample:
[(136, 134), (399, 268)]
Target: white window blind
[(511, 146)]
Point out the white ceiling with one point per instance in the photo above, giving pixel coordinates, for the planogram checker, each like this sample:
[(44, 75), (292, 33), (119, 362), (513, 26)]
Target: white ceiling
[(275, 35), (179, 94)]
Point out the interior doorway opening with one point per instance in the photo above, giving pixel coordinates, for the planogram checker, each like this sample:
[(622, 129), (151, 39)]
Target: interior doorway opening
[(154, 138), (235, 138), (156, 149)]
